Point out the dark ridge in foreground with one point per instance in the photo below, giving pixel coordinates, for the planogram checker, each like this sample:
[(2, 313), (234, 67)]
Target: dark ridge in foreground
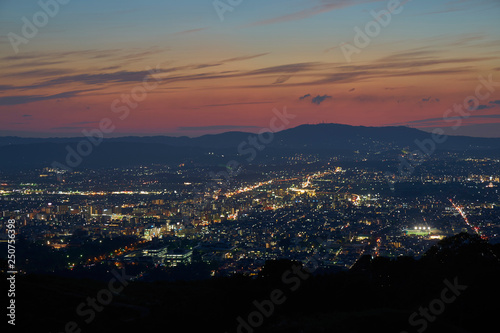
[(444, 291)]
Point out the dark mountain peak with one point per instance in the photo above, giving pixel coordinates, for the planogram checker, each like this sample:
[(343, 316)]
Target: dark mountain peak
[(327, 139)]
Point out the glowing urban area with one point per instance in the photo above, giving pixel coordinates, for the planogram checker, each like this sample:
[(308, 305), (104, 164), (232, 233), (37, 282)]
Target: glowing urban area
[(250, 166)]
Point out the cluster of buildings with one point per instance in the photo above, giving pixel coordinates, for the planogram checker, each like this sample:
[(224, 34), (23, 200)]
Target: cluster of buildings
[(330, 213)]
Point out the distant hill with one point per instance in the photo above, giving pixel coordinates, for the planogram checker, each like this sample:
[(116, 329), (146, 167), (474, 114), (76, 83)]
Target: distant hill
[(19, 152)]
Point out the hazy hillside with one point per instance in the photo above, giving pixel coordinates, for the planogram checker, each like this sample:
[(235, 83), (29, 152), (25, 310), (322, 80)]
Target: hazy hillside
[(321, 138)]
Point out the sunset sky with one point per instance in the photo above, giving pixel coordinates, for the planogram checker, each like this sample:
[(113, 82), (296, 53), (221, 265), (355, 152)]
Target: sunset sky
[(225, 70)]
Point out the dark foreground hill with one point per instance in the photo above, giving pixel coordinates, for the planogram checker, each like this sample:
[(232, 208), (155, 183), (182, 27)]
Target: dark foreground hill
[(326, 139), (453, 288)]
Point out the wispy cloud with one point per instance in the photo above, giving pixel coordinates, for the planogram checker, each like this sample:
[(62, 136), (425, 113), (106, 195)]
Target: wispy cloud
[(320, 99), (232, 104), (441, 121), (402, 64), (484, 107), (282, 79), (65, 128), (24, 99), (84, 122), (42, 72), (216, 128), (190, 31), (247, 57), (315, 100), (429, 99), (325, 6), (463, 5)]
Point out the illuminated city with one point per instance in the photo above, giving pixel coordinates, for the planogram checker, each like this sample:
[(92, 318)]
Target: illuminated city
[(263, 166), (256, 216)]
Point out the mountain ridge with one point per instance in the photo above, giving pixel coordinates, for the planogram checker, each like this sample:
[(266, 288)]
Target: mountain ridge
[(327, 139), (183, 139)]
